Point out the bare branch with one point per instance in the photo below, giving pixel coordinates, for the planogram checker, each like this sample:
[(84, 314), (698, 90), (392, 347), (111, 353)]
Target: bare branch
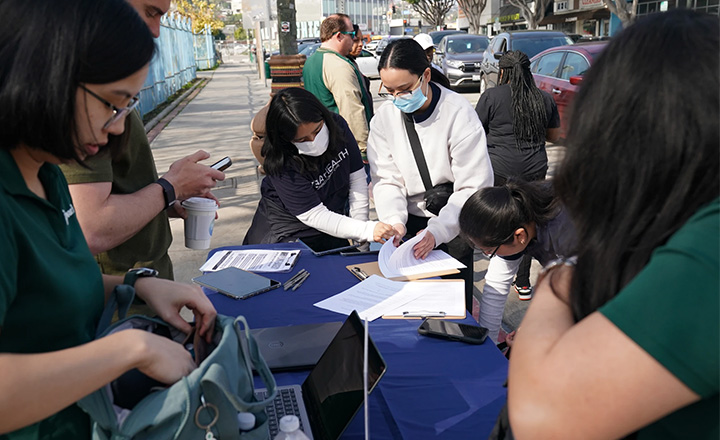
[(432, 11), (473, 9)]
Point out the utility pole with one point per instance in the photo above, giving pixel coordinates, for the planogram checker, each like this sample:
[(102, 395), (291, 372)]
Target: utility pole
[(287, 27)]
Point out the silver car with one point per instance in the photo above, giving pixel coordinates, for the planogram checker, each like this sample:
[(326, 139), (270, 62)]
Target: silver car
[(460, 56)]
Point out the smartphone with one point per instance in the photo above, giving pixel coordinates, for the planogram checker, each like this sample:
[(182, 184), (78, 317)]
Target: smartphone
[(454, 331), (222, 164)]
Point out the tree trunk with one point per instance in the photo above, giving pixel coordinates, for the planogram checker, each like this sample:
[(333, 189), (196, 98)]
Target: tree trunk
[(626, 12)]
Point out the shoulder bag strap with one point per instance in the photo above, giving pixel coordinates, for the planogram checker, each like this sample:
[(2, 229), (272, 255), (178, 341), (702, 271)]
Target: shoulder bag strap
[(417, 150)]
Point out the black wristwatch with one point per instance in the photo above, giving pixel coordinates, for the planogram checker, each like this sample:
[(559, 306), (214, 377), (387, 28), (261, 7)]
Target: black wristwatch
[(168, 191), (139, 272)]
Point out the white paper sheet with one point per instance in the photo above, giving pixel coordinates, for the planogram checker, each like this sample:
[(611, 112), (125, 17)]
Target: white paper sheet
[(253, 260), (400, 261), (377, 296)]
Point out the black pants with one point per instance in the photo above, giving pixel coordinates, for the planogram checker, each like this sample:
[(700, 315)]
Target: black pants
[(523, 275), (457, 248)]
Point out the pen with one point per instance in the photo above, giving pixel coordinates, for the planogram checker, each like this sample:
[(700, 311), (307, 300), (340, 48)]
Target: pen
[(299, 282), (423, 314), (294, 279)]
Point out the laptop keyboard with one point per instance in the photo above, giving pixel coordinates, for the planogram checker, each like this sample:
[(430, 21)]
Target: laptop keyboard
[(285, 403)]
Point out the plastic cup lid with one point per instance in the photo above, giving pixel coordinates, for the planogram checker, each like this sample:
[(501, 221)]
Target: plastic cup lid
[(246, 421), (200, 203)]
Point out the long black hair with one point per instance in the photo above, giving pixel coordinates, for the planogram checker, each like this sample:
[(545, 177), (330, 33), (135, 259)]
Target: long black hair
[(492, 214), (643, 148), (47, 49), (405, 54), (528, 105), (288, 109)]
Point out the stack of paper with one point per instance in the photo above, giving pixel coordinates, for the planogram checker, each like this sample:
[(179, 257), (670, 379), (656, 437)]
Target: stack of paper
[(400, 262), (254, 260), (377, 296)]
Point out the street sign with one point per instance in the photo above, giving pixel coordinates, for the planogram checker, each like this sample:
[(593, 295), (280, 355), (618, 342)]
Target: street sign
[(285, 26)]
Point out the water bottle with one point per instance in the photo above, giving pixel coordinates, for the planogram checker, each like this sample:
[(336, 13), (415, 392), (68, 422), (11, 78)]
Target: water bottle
[(290, 429)]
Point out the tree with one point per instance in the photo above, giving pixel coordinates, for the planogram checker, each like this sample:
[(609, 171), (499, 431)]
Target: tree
[(201, 12), (625, 11), (533, 16), (473, 9), (432, 11)]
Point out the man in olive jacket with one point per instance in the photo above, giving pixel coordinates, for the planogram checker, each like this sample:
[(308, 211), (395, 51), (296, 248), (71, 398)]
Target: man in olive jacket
[(335, 81)]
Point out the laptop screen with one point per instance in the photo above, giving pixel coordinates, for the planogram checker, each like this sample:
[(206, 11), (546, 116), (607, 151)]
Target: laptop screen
[(333, 392)]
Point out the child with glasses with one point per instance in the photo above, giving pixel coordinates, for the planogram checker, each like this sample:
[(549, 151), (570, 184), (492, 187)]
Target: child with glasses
[(506, 223)]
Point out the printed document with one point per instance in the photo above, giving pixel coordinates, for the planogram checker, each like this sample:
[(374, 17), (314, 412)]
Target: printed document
[(400, 261), (252, 260), (377, 296)]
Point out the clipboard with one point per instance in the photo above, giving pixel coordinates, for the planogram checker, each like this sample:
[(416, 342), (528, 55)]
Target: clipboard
[(432, 316), (372, 268)]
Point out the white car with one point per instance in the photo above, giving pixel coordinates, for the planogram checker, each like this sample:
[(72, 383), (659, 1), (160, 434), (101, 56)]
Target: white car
[(368, 64)]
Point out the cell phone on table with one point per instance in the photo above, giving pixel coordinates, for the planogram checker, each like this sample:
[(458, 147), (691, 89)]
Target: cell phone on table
[(222, 164), (454, 331)]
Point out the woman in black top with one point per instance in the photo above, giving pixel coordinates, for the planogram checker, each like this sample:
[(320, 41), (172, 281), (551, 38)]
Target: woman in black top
[(518, 118)]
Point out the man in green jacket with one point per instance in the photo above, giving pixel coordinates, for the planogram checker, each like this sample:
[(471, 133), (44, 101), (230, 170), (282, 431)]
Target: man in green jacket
[(335, 81)]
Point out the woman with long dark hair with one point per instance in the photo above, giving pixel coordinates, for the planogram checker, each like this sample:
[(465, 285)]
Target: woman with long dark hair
[(452, 141), (518, 118), (626, 339), (314, 173), (70, 73), (512, 221)]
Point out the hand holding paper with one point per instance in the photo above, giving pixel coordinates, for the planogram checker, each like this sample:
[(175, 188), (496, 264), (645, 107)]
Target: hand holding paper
[(400, 262)]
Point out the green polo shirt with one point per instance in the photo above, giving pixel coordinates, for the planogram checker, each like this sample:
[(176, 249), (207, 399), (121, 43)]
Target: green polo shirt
[(51, 291), (133, 170), (671, 309)]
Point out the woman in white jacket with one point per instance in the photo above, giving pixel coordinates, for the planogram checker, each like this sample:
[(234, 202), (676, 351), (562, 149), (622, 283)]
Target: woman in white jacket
[(453, 143)]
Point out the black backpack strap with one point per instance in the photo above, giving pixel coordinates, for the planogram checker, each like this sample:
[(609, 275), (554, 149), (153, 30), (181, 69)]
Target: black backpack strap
[(417, 150)]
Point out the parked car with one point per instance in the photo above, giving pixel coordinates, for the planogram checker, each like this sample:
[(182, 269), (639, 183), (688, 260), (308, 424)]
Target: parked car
[(559, 71), (372, 45), (529, 42), (460, 56), (438, 35), (308, 40), (385, 41), (367, 62)]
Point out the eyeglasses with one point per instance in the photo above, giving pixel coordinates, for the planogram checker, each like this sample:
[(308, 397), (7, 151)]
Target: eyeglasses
[(498, 246), (402, 95), (118, 113), (351, 33)]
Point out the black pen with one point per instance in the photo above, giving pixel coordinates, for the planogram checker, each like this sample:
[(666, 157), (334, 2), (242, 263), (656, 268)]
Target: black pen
[(294, 279), (299, 282)]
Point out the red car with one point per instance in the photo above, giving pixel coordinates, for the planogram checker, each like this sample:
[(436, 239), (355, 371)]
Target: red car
[(559, 71)]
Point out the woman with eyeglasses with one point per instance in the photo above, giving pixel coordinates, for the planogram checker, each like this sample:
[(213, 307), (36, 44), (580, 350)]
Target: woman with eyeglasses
[(315, 188), (54, 109), (510, 221), (452, 141)]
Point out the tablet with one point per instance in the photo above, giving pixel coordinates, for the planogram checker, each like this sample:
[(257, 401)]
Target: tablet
[(374, 249), (236, 283), (319, 250)]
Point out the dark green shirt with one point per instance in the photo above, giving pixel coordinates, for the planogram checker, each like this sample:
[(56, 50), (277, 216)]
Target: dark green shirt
[(51, 291), (133, 170), (671, 310)]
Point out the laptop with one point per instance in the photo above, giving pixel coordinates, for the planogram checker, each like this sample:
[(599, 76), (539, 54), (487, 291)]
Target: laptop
[(294, 347), (333, 392)]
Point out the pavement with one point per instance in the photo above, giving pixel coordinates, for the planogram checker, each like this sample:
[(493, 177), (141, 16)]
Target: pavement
[(216, 118)]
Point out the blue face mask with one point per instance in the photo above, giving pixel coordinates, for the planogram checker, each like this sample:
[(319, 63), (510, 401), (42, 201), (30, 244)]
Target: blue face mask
[(411, 102)]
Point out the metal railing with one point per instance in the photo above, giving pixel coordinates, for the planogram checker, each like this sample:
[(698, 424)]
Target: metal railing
[(179, 54)]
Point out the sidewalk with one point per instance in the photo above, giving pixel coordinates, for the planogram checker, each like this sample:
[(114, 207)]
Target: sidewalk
[(217, 120)]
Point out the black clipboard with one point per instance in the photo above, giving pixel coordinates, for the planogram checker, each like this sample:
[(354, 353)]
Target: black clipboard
[(236, 283), (319, 252)]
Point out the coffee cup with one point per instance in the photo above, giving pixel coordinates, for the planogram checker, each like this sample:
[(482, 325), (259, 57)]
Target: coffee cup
[(199, 222)]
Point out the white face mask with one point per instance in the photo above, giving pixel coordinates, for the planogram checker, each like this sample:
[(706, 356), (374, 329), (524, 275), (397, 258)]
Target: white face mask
[(317, 146)]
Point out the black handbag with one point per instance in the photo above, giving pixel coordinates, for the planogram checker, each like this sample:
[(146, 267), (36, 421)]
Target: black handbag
[(436, 197)]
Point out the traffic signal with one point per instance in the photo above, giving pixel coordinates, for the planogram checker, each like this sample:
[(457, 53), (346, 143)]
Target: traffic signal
[(404, 22), (393, 9)]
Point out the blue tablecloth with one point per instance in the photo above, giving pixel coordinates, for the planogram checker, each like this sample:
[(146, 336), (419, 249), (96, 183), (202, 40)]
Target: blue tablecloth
[(433, 389)]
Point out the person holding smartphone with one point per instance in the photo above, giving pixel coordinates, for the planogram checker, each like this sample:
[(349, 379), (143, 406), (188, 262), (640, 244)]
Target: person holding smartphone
[(315, 187)]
